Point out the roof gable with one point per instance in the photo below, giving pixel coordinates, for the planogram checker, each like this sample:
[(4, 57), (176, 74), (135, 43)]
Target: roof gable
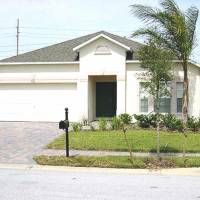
[(100, 36)]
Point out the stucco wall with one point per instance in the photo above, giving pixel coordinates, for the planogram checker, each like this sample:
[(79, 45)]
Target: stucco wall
[(39, 73), (38, 92), (104, 64), (132, 89)]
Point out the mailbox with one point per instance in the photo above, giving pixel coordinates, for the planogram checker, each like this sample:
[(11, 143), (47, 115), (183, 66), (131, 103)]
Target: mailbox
[(63, 124)]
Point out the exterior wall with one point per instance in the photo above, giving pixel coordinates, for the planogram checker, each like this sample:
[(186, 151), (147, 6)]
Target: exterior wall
[(38, 92), (194, 90), (50, 73), (92, 64), (132, 89)]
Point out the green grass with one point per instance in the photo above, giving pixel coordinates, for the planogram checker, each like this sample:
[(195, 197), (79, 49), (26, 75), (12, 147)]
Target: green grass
[(140, 140), (117, 162)]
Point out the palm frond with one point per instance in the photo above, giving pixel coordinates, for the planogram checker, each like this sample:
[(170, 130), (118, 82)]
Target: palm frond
[(175, 25), (175, 28), (191, 20), (161, 37), (150, 33), (145, 13), (170, 6), (163, 19)]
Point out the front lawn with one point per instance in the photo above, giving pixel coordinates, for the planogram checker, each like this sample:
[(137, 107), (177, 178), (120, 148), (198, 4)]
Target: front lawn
[(117, 162), (140, 140)]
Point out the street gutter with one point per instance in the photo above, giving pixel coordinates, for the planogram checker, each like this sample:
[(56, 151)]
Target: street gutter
[(173, 171)]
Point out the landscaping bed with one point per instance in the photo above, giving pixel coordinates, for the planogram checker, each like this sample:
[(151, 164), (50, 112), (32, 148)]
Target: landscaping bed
[(140, 141), (118, 162)]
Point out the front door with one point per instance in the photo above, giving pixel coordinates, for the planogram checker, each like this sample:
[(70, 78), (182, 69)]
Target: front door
[(106, 99)]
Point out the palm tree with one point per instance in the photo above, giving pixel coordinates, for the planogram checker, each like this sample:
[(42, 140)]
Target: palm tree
[(175, 29)]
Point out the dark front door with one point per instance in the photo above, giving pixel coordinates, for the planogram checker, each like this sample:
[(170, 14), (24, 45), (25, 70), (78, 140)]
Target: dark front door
[(106, 99)]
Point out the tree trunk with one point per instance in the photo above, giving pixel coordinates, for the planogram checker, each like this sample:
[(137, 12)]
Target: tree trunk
[(185, 104), (158, 121), (158, 138), (128, 145), (185, 93)]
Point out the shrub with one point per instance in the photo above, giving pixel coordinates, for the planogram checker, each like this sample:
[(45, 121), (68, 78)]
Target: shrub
[(171, 122), (76, 126), (92, 127), (102, 124), (125, 118), (193, 123), (153, 120), (115, 123), (142, 120)]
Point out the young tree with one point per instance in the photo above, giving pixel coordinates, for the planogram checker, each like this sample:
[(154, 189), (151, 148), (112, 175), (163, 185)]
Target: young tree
[(157, 64), (175, 30)]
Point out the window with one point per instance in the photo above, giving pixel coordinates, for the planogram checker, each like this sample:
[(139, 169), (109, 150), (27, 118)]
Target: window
[(165, 105), (143, 99), (179, 97), (102, 50), (165, 102)]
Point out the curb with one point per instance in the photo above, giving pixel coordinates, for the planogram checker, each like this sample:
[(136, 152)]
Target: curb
[(174, 171)]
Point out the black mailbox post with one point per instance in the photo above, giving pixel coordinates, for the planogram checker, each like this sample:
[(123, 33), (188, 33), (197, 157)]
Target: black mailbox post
[(64, 124)]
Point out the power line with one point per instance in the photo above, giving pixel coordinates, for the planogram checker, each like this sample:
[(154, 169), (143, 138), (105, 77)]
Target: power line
[(196, 54), (6, 28), (11, 50), (9, 36), (6, 34), (56, 28), (29, 33), (67, 29), (34, 36), (20, 45)]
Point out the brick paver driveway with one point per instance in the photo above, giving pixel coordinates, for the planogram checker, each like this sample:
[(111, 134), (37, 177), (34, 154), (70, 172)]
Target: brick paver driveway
[(20, 141)]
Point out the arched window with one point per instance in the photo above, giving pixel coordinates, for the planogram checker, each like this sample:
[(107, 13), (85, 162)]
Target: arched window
[(102, 50)]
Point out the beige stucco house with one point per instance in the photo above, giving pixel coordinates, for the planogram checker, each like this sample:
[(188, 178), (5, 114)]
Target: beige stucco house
[(94, 76)]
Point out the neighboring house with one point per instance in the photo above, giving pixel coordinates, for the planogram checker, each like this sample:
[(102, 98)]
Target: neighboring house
[(94, 76)]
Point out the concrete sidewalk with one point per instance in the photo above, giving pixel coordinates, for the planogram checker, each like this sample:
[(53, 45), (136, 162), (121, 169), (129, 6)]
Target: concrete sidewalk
[(55, 152)]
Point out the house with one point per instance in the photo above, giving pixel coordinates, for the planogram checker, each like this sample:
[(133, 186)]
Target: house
[(94, 76)]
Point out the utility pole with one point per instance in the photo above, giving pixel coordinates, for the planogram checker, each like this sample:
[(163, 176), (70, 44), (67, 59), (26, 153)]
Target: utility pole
[(17, 36)]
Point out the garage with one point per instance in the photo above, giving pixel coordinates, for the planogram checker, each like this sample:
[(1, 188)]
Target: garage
[(37, 101)]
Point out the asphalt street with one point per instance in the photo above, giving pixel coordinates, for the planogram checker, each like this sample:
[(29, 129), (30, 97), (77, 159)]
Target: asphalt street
[(23, 184)]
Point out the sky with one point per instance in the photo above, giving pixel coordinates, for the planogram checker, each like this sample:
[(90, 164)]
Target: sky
[(46, 22)]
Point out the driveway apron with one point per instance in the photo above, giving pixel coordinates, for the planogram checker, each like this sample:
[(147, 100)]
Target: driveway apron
[(20, 141)]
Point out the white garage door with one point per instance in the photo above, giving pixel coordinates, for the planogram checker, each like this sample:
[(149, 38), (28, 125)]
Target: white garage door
[(37, 102)]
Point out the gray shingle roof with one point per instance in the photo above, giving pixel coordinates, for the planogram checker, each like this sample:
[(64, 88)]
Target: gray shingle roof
[(63, 52)]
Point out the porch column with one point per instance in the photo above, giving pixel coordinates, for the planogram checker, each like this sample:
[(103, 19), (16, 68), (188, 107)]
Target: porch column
[(82, 101), (121, 92)]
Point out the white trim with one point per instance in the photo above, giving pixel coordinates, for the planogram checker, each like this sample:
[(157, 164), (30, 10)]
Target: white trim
[(77, 62), (132, 61), (175, 61), (97, 37), (38, 63)]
